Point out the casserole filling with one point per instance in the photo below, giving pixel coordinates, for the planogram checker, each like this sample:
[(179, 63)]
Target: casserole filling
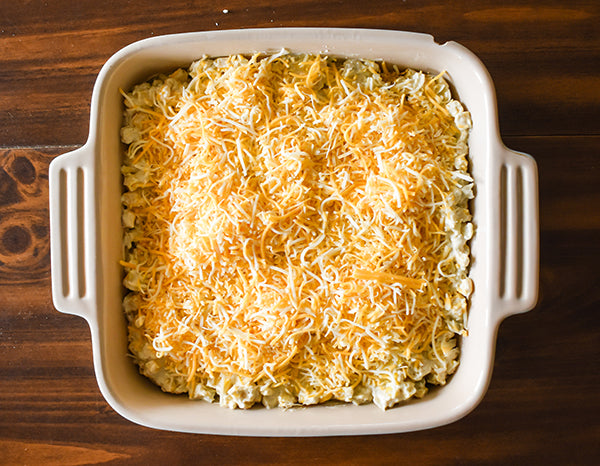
[(296, 230)]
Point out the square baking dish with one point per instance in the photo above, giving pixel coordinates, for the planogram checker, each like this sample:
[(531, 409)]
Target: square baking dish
[(86, 234)]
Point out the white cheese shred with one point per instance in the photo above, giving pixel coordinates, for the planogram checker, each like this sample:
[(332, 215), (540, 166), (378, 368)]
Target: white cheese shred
[(296, 230)]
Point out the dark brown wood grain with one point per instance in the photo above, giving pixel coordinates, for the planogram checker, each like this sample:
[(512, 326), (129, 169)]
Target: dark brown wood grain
[(542, 406)]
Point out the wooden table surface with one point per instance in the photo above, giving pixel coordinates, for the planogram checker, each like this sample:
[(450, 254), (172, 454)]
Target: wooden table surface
[(542, 406)]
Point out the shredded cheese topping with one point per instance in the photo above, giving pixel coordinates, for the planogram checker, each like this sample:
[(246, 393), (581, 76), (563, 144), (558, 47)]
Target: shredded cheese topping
[(296, 230)]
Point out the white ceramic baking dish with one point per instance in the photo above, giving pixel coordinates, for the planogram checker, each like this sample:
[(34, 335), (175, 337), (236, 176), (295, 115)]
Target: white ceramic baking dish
[(85, 187)]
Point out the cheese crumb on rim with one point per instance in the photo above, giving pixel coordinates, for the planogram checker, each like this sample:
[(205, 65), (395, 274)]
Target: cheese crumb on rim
[(296, 230)]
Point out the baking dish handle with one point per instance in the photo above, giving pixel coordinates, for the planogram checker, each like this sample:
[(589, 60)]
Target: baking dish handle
[(72, 232), (519, 233)]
